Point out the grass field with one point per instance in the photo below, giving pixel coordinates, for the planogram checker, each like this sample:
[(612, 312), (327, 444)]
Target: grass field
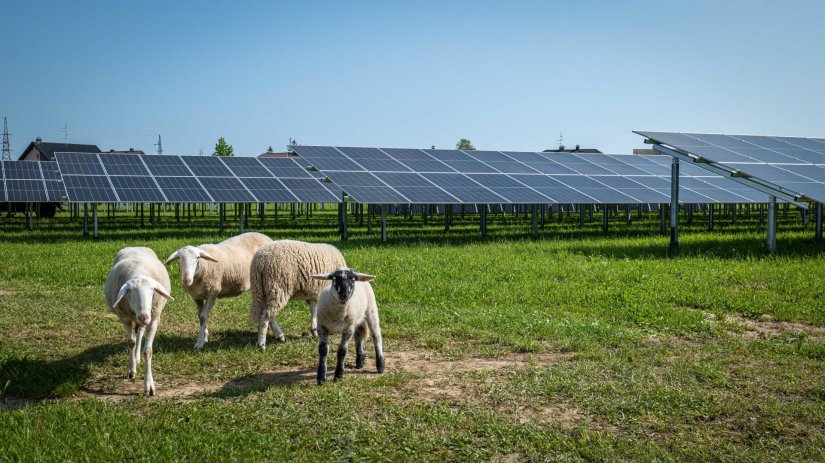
[(573, 346)]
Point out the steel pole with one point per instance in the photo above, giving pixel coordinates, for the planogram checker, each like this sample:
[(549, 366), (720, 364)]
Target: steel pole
[(674, 203), (818, 212), (383, 223), (771, 243)]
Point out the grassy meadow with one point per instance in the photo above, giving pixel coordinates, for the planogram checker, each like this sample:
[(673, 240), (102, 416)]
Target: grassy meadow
[(572, 346)]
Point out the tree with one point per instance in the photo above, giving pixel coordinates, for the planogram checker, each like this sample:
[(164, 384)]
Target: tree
[(270, 150), (465, 144), (223, 149)]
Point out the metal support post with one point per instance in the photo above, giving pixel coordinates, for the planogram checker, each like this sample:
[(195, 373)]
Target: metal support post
[(369, 219), (85, 219), (482, 215), (605, 217), (383, 223), (221, 211), (627, 213), (241, 217), (581, 215), (771, 243), (29, 216), (534, 231), (818, 213), (448, 209), (343, 209), (711, 208), (674, 203), (94, 218)]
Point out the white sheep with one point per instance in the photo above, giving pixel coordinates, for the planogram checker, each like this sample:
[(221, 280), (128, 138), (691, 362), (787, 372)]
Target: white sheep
[(136, 276), (214, 271), (347, 307), (281, 272)]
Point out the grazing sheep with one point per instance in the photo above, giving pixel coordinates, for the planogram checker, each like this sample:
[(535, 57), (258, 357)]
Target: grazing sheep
[(213, 271), (136, 276), (347, 307), (281, 272)]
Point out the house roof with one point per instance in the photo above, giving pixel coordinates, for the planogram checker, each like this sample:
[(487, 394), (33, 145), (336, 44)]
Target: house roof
[(48, 149), (275, 155)]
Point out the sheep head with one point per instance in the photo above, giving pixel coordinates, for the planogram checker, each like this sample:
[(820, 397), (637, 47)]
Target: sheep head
[(140, 292), (343, 281), (188, 257)]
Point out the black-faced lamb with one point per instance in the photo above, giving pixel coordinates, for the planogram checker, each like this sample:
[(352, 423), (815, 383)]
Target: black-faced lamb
[(136, 290), (347, 307), (282, 272), (214, 271)]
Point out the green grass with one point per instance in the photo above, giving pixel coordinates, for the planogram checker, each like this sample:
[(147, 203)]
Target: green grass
[(639, 372)]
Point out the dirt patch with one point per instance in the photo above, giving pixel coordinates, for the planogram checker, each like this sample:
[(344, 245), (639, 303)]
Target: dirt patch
[(4, 292), (768, 326)]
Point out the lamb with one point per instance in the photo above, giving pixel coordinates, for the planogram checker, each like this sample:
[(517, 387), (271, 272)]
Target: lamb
[(281, 272), (348, 307), (212, 271), (136, 276)]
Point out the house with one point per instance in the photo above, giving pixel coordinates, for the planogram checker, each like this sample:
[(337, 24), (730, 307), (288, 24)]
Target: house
[(40, 150), (275, 155), (574, 150), (129, 151)]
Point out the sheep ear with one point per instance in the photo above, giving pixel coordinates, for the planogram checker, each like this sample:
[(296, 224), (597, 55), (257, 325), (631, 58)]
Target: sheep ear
[(323, 276), (172, 258), (205, 256), (363, 277), (121, 293), (159, 289)]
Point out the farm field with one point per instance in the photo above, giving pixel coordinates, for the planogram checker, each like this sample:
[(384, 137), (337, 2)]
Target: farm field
[(577, 345)]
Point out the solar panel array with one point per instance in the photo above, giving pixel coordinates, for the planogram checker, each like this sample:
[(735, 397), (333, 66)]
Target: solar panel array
[(792, 164), (31, 182), (413, 176), (106, 178)]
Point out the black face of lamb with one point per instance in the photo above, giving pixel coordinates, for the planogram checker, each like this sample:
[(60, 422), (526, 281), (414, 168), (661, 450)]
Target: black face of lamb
[(343, 282)]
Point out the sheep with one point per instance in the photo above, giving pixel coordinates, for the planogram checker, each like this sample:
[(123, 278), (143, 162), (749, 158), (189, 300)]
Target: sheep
[(136, 276), (213, 271), (281, 272), (347, 307)]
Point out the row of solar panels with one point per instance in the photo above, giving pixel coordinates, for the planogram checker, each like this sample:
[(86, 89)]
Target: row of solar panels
[(790, 163), (414, 176)]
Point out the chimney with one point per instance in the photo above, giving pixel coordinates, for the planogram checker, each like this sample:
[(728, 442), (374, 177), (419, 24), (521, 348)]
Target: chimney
[(577, 147), (38, 140)]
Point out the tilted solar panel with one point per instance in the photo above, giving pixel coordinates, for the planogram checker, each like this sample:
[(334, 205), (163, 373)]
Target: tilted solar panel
[(167, 166), (417, 160), (29, 191), (123, 164), (79, 164), (246, 167), (269, 190), (227, 190), (416, 188), (206, 166), (326, 158), (89, 188), (183, 190), (310, 190), (285, 168), (374, 160), (132, 188), (464, 189)]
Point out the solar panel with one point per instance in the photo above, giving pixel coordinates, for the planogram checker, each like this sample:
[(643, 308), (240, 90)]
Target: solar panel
[(618, 164), (89, 188), (601, 193), (2, 183), (461, 161), (578, 164), (269, 190), (246, 167), (123, 164), (374, 160), (30, 191), (326, 158), (366, 187), (417, 160), (501, 162), (22, 170), (55, 190), (79, 164), (310, 190), (285, 168), (509, 188), (166, 166), (183, 190), (136, 189), (50, 170), (206, 166), (633, 189), (463, 188), (541, 163), (227, 190), (416, 188), (555, 190)]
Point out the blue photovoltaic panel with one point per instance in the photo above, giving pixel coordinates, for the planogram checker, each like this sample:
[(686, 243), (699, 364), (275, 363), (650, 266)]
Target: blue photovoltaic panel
[(226, 190), (364, 187), (417, 160), (501, 162), (183, 190), (89, 188), (206, 166), (310, 190), (269, 190), (558, 192), (578, 163), (594, 189), (2, 183), (617, 164), (246, 167), (55, 190), (416, 188), (326, 158), (512, 190), (374, 160), (22, 170), (541, 163), (50, 170), (166, 166), (633, 189), (123, 164), (29, 191), (731, 187), (461, 161), (136, 189), (79, 164), (463, 188), (285, 168), (649, 165)]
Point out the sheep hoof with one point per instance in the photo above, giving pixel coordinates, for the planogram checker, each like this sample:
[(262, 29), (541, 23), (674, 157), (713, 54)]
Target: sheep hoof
[(379, 364), (282, 338), (359, 361), (130, 375), (198, 345), (315, 333), (150, 391), (262, 347)]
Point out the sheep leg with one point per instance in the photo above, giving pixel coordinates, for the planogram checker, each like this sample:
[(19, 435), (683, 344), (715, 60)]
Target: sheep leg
[(130, 341), (276, 329), (342, 353), (139, 330), (375, 329), (313, 308), (323, 350), (149, 381), (360, 335), (203, 335)]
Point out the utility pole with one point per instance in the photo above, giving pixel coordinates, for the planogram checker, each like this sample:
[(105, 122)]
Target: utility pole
[(159, 145), (65, 134), (6, 144)]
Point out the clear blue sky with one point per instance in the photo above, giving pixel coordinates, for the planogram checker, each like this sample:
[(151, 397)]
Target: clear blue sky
[(507, 75)]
